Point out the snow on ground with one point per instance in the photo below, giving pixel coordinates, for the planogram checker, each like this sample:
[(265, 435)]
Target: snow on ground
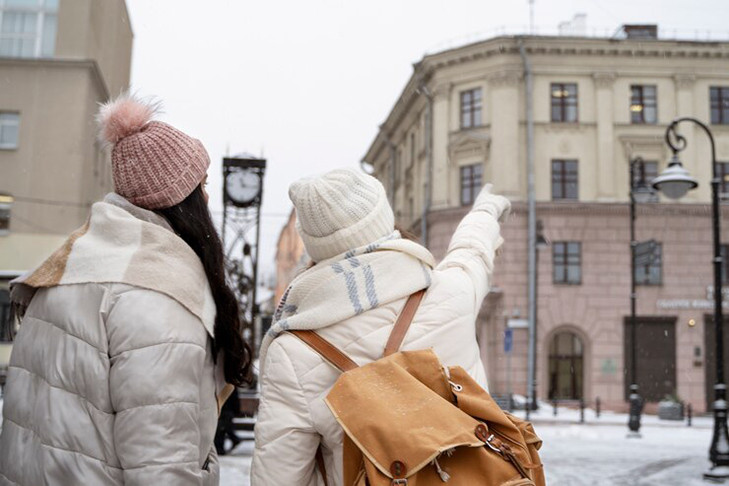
[(596, 453)]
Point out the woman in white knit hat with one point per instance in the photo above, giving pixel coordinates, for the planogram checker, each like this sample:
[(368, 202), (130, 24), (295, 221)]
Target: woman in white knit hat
[(364, 272)]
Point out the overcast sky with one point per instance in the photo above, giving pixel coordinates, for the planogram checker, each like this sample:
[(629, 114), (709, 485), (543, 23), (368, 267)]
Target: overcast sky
[(306, 83)]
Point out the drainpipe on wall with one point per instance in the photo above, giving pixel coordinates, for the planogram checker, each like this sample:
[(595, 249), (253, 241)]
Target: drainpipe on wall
[(532, 231), (423, 89)]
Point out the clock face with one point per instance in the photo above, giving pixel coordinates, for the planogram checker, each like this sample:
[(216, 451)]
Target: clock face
[(243, 186)]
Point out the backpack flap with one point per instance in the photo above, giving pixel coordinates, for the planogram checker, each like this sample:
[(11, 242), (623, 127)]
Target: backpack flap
[(398, 422), (516, 433)]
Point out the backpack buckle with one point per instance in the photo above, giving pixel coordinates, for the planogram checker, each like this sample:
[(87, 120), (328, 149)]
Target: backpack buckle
[(491, 446)]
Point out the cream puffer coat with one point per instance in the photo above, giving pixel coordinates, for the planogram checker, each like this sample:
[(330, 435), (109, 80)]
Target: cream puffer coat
[(293, 418), (111, 378)]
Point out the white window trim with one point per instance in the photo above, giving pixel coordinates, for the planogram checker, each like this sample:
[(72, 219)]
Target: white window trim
[(42, 11)]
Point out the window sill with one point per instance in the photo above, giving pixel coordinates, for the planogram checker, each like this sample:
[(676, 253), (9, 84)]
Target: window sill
[(8, 148)]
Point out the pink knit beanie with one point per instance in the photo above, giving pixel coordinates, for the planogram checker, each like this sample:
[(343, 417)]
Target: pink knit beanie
[(154, 165)]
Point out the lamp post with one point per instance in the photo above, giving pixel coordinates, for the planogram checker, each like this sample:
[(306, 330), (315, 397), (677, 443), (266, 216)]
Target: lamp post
[(541, 243), (674, 182), (639, 192)]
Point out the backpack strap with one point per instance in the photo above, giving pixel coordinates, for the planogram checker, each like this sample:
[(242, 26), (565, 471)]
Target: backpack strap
[(403, 323), (326, 349)]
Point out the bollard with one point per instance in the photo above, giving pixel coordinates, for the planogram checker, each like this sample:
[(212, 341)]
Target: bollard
[(597, 407), (554, 407), (689, 414), (582, 411)]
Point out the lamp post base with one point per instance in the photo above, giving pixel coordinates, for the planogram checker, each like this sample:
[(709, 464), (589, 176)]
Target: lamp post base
[(719, 450), (636, 408), (717, 474)]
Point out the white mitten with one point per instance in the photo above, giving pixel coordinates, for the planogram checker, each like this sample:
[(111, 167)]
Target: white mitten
[(498, 206)]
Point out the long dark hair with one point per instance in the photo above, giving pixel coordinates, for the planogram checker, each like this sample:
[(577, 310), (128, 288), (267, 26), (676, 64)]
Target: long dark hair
[(192, 222)]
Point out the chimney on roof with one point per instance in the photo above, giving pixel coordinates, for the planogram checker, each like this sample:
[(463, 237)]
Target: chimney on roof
[(641, 31)]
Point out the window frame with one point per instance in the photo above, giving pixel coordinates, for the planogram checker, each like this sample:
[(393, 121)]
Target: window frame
[(5, 123), (565, 179), (643, 275), (471, 109), (637, 117), (564, 102), (44, 10), (471, 177), (722, 170), (6, 207), (561, 263), (722, 112)]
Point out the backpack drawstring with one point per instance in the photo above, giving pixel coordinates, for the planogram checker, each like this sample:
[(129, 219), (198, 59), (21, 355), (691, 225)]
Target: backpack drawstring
[(444, 476)]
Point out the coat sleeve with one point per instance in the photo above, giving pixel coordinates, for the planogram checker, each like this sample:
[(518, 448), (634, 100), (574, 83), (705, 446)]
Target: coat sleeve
[(157, 351), (286, 440), (473, 246)]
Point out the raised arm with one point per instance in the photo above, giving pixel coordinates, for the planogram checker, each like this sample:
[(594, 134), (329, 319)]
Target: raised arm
[(474, 244)]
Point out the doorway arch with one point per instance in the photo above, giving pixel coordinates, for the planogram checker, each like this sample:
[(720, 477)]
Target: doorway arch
[(566, 366)]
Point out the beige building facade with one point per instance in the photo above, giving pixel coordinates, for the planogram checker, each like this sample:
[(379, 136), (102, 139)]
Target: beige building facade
[(461, 121), (58, 60)]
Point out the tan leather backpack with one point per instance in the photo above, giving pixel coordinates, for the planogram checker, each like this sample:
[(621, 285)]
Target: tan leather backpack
[(408, 420)]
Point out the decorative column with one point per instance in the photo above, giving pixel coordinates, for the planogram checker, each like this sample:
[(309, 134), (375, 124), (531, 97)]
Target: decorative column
[(509, 162), (606, 173)]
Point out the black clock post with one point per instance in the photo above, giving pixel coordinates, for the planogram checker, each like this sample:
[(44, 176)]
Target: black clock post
[(241, 233)]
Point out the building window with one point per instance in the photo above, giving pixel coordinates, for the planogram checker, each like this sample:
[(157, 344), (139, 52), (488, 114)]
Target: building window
[(471, 108), (28, 28), (564, 179), (724, 263), (565, 366), (470, 183), (9, 129), (643, 104), (719, 105), (6, 202), (567, 262), (649, 172), (564, 102), (648, 268), (722, 171)]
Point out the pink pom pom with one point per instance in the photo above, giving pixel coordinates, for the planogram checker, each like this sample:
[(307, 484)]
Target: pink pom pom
[(124, 116)]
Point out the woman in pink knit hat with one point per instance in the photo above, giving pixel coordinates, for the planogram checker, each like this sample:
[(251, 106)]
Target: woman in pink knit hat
[(129, 339)]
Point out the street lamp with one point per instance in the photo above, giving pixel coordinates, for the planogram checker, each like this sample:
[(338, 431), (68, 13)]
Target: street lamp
[(542, 242), (674, 182), (639, 192)]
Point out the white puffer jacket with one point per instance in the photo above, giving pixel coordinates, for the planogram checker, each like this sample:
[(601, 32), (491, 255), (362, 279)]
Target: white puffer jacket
[(293, 418), (111, 379)]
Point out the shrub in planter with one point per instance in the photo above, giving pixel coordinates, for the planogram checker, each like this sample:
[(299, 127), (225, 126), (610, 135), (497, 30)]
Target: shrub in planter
[(670, 408)]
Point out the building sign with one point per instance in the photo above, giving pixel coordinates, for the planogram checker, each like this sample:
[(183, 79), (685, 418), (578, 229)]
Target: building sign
[(703, 304)]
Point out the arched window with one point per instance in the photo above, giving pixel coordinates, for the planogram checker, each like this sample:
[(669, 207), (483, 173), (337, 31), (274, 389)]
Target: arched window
[(565, 366)]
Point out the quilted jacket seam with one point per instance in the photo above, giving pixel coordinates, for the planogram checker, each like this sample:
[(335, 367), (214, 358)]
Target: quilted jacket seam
[(51, 446), (67, 332), (45, 380), (165, 404), (188, 343)]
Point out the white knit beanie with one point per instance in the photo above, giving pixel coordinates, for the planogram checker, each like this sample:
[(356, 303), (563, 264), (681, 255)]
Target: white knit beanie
[(339, 211)]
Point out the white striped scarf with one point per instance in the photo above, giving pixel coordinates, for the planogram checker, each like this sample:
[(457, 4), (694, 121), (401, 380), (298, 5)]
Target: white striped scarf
[(348, 285)]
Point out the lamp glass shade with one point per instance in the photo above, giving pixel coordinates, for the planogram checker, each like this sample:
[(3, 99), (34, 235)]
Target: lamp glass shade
[(675, 181)]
